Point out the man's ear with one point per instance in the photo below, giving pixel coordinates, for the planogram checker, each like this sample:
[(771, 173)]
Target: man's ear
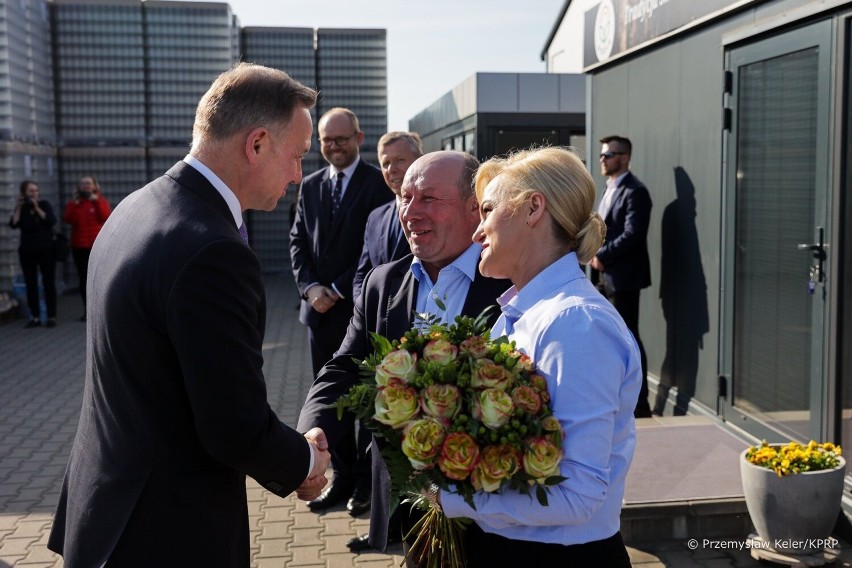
[(257, 141)]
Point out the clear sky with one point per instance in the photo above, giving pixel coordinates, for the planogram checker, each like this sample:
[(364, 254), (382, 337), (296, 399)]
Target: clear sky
[(433, 45)]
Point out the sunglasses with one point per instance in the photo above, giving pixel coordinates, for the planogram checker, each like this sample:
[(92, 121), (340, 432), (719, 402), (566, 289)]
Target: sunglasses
[(608, 155)]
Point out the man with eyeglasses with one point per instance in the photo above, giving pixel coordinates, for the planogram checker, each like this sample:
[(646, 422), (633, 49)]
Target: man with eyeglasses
[(325, 245), (622, 266)]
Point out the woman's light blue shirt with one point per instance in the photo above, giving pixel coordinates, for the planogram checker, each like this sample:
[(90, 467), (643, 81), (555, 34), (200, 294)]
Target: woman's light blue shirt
[(580, 344)]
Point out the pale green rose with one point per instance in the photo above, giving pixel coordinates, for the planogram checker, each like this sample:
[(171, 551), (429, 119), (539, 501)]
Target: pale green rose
[(421, 442), (541, 459), (487, 374), (440, 401), (400, 364), (459, 455), (440, 351), (474, 346), (496, 463), (396, 404), (493, 407)]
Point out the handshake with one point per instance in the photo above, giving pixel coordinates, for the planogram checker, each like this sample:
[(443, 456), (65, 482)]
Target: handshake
[(313, 485)]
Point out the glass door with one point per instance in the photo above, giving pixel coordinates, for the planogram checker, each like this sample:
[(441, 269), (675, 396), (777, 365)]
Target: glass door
[(775, 234)]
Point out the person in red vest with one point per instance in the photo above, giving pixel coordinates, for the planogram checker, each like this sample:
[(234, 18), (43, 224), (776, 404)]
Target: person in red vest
[(86, 214)]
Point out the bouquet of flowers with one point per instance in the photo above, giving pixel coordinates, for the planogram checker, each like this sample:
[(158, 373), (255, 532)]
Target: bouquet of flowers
[(794, 458), (459, 411)]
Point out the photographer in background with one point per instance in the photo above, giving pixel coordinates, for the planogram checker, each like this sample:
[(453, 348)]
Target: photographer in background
[(35, 218), (86, 214)]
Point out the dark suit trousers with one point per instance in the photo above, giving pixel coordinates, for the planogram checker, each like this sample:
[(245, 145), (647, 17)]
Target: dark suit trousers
[(626, 303), (487, 550), (349, 459), (31, 263)]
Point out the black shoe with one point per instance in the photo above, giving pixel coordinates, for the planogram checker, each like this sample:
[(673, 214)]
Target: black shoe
[(359, 503), (51, 322), (359, 543), (32, 323), (335, 493)]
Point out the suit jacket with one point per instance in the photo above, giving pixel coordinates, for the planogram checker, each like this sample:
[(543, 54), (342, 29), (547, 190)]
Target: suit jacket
[(326, 251), (624, 253), (174, 411), (386, 306), (384, 241)]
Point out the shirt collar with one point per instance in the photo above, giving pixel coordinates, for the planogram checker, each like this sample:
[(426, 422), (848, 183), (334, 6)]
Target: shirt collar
[(348, 170), (610, 184), (465, 263), (225, 191), (514, 302)]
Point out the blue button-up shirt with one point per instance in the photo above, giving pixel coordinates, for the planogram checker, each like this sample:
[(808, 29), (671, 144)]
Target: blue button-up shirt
[(451, 287), (580, 344)]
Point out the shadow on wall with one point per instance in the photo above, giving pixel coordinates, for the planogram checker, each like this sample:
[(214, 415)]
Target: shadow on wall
[(683, 293)]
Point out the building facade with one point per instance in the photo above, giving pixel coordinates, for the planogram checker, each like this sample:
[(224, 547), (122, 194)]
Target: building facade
[(739, 112), (109, 88), (352, 73), (27, 123), (492, 114)]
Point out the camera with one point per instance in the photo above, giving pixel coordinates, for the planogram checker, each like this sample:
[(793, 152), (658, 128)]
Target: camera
[(84, 194)]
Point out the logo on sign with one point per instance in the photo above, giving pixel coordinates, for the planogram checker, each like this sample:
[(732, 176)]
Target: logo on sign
[(604, 30)]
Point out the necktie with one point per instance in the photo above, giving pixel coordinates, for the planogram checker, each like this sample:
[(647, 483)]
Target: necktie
[(244, 233), (336, 192)]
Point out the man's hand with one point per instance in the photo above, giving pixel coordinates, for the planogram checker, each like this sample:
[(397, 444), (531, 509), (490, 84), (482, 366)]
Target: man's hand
[(322, 298), (312, 486), (597, 264)]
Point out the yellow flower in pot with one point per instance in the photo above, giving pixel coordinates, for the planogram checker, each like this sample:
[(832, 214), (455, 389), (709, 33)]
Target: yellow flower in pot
[(793, 493), (794, 457)]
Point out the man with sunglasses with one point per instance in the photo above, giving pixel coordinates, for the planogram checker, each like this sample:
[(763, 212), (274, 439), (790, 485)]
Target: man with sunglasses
[(622, 266), (325, 245)]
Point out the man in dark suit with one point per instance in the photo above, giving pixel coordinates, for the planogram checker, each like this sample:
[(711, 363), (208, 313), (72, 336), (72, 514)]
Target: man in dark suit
[(622, 267), (325, 244), (174, 409), (439, 213), (384, 240)]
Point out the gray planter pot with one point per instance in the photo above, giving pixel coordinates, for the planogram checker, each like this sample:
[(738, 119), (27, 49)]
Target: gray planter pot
[(792, 514)]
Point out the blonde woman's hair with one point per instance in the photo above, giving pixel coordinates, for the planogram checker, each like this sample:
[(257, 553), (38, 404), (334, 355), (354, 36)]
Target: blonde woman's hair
[(568, 188)]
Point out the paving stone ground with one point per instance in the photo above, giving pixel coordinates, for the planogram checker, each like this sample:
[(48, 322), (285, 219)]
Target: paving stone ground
[(41, 381)]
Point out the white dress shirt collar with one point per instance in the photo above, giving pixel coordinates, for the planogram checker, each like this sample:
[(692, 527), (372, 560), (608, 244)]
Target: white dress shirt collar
[(225, 191), (348, 172)]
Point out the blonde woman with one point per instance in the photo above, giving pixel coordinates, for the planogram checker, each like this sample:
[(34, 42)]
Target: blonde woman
[(537, 227)]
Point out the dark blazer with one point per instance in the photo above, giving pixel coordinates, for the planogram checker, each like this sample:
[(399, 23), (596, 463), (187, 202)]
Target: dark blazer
[(174, 411), (325, 251), (386, 306), (624, 254), (384, 241)]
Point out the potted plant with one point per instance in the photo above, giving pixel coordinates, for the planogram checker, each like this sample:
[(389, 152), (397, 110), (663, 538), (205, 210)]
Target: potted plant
[(793, 493)]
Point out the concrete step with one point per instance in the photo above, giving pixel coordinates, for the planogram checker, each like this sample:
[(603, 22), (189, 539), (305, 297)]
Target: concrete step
[(684, 520)]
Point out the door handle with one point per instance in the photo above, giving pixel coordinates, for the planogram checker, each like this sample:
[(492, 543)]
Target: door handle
[(818, 251)]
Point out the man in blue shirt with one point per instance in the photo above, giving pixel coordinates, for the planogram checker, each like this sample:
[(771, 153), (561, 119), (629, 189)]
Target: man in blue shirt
[(439, 214)]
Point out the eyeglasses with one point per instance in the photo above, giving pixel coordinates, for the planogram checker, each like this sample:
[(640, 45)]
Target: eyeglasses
[(339, 140), (608, 155)]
